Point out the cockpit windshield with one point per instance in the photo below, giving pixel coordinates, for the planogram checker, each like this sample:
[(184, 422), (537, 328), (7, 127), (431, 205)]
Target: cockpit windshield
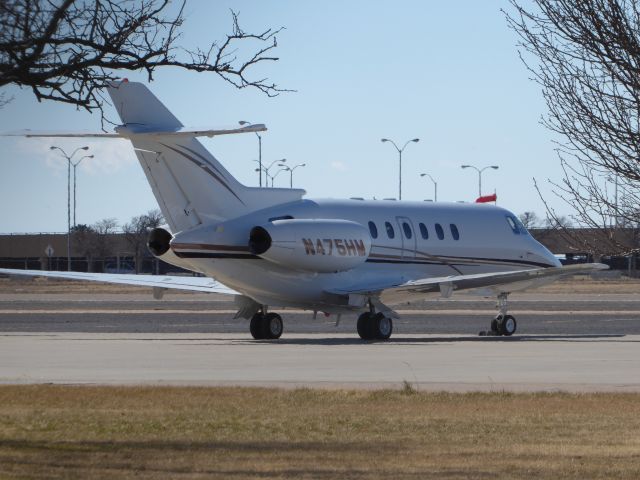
[(516, 225)]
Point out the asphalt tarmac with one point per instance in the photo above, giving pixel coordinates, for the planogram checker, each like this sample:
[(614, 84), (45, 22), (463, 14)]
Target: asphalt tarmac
[(564, 342), (536, 314)]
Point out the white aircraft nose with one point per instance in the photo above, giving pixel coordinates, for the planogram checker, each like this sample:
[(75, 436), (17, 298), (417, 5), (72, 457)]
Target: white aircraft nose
[(543, 256), (538, 253)]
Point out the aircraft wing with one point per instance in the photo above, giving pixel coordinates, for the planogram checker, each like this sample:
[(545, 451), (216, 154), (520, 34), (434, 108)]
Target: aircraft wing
[(481, 283), (195, 284)]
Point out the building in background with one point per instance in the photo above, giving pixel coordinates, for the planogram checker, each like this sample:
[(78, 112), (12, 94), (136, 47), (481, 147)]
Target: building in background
[(113, 253)]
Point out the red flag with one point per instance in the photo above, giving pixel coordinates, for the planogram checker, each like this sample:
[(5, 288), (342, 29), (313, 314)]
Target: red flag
[(487, 198)]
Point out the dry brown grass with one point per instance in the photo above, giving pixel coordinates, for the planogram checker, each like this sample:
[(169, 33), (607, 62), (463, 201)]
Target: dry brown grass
[(579, 284), (583, 284), (100, 432)]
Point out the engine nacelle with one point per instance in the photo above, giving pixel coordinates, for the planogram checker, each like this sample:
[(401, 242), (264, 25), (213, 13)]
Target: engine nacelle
[(158, 244), (314, 245)]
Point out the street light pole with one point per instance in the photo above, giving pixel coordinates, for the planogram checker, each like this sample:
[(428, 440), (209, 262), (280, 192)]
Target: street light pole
[(266, 170), (74, 185), (400, 150), (273, 179), (68, 157), (435, 186), (242, 122), (290, 170), (615, 199), (480, 170), (259, 157)]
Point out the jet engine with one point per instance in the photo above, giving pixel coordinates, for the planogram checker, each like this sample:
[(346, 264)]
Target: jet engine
[(159, 245), (315, 245)]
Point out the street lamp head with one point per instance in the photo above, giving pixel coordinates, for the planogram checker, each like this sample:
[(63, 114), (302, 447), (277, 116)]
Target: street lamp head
[(303, 165), (465, 166), (282, 165), (384, 140), (415, 140), (84, 148), (89, 156), (422, 174), (52, 148), (242, 122), (495, 167), (283, 160)]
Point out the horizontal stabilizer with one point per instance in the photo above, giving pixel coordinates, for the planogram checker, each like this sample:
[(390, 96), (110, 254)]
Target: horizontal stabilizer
[(52, 134), (140, 131)]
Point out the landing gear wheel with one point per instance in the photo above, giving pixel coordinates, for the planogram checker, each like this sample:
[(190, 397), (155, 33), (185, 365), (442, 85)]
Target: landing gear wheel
[(374, 326), (272, 326), (506, 325), (382, 327), (494, 326), (266, 326), (256, 326), (364, 326)]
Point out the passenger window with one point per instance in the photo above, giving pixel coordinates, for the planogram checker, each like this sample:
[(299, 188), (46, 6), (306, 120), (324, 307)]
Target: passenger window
[(390, 231), (439, 231), (423, 231), (407, 230), (373, 229), (454, 232)]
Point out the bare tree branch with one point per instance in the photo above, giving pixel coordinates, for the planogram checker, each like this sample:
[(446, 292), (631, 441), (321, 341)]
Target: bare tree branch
[(586, 57), (66, 50), (136, 233)]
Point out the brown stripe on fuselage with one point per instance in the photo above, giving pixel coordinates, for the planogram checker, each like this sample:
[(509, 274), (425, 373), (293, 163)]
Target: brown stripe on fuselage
[(206, 246)]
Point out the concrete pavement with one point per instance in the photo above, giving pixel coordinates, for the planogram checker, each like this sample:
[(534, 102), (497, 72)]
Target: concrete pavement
[(430, 362)]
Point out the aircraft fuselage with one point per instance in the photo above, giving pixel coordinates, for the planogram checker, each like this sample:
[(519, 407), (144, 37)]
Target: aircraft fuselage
[(408, 241)]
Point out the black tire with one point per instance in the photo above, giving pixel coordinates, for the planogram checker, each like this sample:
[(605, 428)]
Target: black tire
[(494, 325), (506, 325), (509, 325), (256, 326), (382, 327), (272, 326), (364, 326)]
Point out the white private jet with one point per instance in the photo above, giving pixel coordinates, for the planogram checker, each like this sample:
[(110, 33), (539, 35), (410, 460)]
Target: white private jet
[(271, 247)]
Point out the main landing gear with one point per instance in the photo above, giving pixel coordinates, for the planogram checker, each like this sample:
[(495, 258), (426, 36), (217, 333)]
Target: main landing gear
[(374, 326), (503, 324), (266, 326)]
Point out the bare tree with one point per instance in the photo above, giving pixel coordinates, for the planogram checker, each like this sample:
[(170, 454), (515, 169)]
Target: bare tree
[(586, 57), (67, 50), (104, 241), (84, 243), (605, 208), (529, 219), (136, 233)]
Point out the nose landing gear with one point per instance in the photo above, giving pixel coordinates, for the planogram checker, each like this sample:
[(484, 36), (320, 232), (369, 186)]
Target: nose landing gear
[(503, 324)]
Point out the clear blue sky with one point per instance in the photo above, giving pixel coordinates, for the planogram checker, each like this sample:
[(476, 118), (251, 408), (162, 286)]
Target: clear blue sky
[(446, 72)]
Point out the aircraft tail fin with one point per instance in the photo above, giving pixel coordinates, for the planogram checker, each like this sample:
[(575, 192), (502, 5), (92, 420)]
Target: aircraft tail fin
[(136, 105), (189, 183)]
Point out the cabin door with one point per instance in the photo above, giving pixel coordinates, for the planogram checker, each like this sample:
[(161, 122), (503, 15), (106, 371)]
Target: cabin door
[(408, 236)]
